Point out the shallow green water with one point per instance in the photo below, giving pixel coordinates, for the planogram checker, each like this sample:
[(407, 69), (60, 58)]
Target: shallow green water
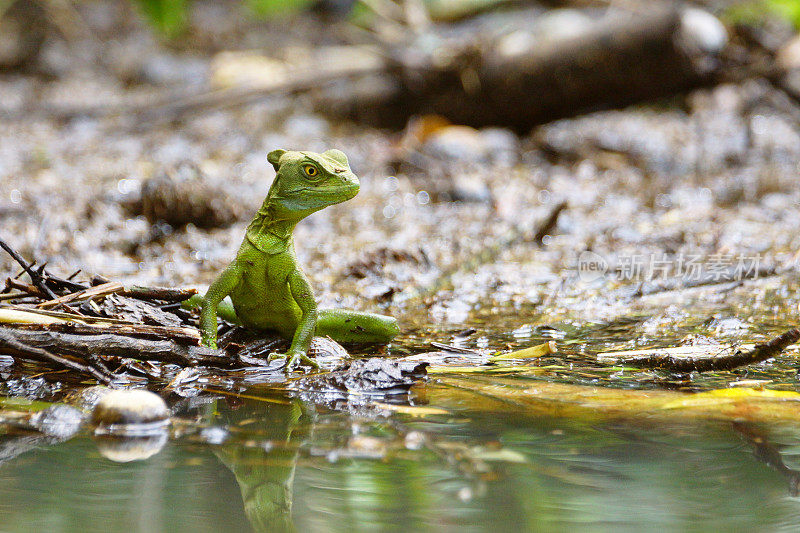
[(466, 470)]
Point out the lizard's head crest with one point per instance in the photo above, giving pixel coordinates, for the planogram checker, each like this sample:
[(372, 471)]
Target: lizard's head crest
[(309, 181)]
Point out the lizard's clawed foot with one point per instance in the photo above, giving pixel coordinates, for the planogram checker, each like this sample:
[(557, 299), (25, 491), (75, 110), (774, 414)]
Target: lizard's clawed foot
[(208, 343), (294, 360)]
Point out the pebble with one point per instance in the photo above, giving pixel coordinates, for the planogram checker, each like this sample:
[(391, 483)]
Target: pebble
[(130, 408)]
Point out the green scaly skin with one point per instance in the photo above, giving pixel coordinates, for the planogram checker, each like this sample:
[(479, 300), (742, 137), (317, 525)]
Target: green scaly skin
[(267, 287)]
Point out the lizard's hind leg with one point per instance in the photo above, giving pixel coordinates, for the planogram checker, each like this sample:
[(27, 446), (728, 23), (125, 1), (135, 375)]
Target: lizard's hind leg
[(225, 309), (354, 326)]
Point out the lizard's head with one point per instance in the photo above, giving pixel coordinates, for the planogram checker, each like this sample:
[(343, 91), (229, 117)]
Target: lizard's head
[(308, 181)]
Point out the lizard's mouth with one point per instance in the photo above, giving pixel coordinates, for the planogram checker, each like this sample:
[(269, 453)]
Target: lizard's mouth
[(345, 192)]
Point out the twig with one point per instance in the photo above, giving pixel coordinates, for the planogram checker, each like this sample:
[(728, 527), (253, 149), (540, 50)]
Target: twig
[(25, 287), (671, 363), (165, 294), (186, 336), (35, 278), (549, 223), (85, 294), (61, 283), (12, 345), (13, 295)]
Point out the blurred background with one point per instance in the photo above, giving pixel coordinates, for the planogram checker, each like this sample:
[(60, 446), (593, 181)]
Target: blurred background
[(496, 140)]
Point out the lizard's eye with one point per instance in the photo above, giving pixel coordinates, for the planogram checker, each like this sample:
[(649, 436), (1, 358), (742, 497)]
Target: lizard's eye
[(310, 170)]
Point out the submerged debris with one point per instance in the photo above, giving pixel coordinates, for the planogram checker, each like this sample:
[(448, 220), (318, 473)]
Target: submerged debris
[(365, 377)]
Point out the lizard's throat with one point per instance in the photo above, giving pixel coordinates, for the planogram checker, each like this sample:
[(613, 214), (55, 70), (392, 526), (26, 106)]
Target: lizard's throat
[(266, 233)]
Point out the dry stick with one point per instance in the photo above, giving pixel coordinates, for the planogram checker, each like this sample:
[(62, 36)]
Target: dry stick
[(25, 287), (761, 352), (62, 283), (166, 294), (549, 224), (86, 294), (35, 278), (39, 318), (13, 346)]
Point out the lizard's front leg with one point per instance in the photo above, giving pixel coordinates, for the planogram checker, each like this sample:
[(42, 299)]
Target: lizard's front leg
[(222, 287), (301, 292)]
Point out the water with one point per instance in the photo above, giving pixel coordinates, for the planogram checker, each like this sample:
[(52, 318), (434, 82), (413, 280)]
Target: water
[(465, 471)]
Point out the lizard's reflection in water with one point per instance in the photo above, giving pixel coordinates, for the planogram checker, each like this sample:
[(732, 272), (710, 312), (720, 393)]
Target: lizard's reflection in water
[(264, 468)]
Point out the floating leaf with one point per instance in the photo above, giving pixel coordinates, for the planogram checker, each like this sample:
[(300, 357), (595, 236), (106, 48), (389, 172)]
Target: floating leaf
[(411, 409), (527, 353)]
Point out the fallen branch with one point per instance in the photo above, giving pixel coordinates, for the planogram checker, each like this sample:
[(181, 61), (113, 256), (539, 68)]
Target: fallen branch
[(524, 77), (88, 345), (10, 343), (663, 360)]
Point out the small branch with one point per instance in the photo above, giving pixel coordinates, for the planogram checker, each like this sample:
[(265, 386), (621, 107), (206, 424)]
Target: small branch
[(35, 278), (12, 345), (85, 294), (165, 294), (64, 284), (30, 290), (549, 223), (671, 363)]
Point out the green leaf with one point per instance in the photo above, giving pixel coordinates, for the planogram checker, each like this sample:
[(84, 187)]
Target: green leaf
[(168, 17), (755, 12), (271, 8), (786, 9)]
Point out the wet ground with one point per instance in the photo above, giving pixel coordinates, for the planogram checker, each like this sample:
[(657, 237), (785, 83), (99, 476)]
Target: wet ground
[(442, 236)]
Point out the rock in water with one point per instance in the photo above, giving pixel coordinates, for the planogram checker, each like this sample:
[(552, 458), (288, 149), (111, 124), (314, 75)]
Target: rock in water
[(130, 412)]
